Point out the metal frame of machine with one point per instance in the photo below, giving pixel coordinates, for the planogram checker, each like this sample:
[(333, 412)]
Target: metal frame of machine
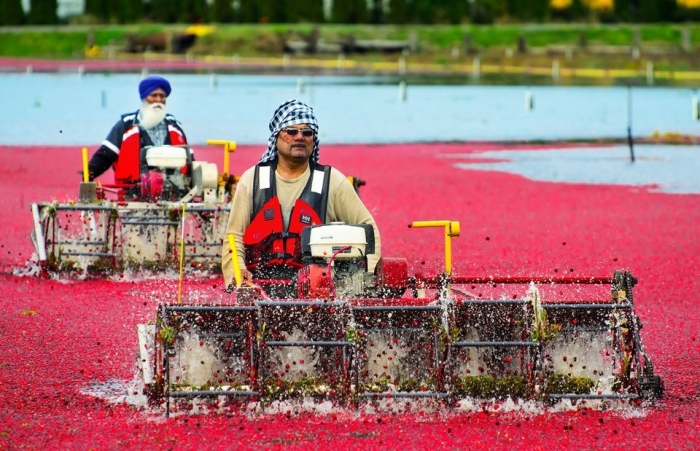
[(445, 344), (348, 335), (97, 234)]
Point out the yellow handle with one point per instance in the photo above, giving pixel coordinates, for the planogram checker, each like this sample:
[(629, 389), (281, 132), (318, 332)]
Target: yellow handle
[(182, 254), (229, 146), (86, 174), (451, 230), (236, 264)]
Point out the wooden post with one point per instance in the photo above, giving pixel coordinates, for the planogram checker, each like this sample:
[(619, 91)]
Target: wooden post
[(569, 53), (476, 67), (636, 43), (582, 40), (468, 45), (686, 40), (413, 42), (522, 44), (402, 91), (341, 63), (402, 65), (169, 42), (529, 101)]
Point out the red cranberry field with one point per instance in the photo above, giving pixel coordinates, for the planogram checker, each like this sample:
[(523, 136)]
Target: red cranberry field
[(59, 337)]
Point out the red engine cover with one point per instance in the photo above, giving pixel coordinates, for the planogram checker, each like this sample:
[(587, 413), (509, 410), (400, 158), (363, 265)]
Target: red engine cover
[(314, 282), (392, 273), (152, 185)]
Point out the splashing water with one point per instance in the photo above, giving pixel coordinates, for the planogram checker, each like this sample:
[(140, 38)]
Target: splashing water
[(388, 356), (114, 391), (581, 354), (294, 363), (197, 362)]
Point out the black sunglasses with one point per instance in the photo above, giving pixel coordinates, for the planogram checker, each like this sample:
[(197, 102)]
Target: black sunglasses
[(306, 133)]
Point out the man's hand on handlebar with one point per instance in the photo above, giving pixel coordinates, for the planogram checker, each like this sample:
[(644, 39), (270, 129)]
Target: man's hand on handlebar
[(246, 280)]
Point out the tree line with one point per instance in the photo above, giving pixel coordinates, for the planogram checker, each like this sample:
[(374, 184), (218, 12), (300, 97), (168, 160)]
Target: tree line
[(358, 11)]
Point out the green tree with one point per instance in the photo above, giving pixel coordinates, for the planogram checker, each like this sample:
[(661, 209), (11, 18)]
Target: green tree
[(221, 11), (132, 11), (531, 10), (315, 11), (647, 11), (653, 10), (192, 11), (276, 10), (421, 11), (350, 11), (117, 12), (376, 12), (43, 12), (398, 12), (165, 11), (306, 11), (626, 9), (11, 12), (493, 8), (683, 14), (98, 9), (249, 11), (450, 11)]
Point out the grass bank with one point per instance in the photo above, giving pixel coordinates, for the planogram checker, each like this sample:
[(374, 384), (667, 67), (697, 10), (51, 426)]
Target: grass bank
[(621, 47), (269, 39)]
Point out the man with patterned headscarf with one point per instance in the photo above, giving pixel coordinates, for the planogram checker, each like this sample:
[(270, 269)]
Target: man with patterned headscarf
[(151, 125), (286, 191)]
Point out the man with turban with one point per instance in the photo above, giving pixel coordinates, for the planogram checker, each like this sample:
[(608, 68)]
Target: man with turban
[(288, 190), (151, 125)]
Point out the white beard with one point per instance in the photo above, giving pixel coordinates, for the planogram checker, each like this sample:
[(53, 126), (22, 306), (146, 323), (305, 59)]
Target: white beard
[(152, 114)]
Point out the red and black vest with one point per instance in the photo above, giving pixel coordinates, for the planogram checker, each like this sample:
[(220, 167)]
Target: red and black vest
[(267, 242), (127, 169)]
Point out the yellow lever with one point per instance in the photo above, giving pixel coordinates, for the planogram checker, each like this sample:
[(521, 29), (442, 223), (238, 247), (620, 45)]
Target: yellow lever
[(182, 254), (86, 174), (236, 264), (229, 147), (451, 230)]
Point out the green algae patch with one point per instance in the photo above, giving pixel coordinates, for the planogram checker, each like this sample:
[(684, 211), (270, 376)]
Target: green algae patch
[(561, 383), (491, 387)]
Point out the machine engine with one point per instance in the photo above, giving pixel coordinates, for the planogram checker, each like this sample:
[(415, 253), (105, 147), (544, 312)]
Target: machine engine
[(335, 259), (169, 172)]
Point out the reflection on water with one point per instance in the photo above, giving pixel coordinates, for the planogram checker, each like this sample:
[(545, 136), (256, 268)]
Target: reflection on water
[(67, 109), (668, 169)]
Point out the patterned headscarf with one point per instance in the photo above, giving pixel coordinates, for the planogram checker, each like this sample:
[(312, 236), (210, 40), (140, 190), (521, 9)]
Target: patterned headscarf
[(291, 112)]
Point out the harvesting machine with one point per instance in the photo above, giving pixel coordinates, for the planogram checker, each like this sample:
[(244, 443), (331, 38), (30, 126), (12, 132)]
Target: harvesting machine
[(344, 334), (352, 336), (176, 214)]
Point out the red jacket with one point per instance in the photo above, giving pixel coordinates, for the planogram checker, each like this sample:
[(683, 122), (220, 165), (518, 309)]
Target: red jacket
[(127, 169)]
